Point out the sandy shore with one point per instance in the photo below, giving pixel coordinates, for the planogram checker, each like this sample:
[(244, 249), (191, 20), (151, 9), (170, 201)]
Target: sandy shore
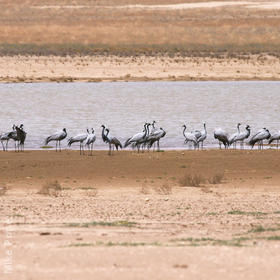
[(114, 68), (128, 216)]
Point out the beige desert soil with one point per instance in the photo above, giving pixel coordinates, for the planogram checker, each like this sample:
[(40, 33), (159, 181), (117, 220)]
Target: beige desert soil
[(129, 217), (132, 40), (145, 68)]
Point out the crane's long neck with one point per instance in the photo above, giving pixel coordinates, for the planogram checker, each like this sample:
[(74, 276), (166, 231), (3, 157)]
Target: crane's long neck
[(238, 128), (145, 130), (103, 128), (148, 131), (248, 132), (107, 132), (184, 131), (205, 128)]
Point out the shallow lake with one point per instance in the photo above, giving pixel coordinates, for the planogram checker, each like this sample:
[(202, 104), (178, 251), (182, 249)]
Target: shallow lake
[(45, 108)]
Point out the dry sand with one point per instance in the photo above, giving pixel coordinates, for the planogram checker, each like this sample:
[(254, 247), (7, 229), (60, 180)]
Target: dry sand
[(114, 68), (217, 40), (128, 217)]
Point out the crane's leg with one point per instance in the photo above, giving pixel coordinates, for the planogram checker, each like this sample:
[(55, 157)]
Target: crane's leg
[(91, 148), (56, 145), (277, 143), (7, 145), (59, 146), (3, 146)]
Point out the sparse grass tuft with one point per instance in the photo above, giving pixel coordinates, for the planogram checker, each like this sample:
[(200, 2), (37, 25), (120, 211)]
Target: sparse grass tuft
[(275, 237), (110, 244), (260, 228), (164, 189), (102, 223), (205, 241), (3, 190), (238, 212), (211, 214), (216, 179), (46, 147), (144, 188), (90, 192), (51, 188), (81, 244), (190, 180)]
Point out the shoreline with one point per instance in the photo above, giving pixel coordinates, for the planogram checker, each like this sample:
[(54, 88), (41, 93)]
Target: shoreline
[(132, 79), (31, 169), (110, 68)]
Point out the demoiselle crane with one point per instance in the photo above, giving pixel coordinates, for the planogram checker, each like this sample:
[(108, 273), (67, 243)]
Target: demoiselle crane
[(243, 135), (80, 138), (90, 141), (135, 139), (189, 137), (222, 136), (112, 141), (203, 136), (273, 137), (261, 135), (233, 138), (155, 138), (58, 137)]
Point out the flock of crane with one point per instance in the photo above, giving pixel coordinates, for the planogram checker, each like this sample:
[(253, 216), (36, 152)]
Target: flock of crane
[(146, 139)]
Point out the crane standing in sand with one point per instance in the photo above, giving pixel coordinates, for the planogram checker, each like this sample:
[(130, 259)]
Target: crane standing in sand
[(222, 136), (90, 141), (79, 138), (112, 141), (58, 137)]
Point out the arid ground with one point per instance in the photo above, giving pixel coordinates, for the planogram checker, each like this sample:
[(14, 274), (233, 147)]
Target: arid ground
[(168, 215), (139, 40)]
